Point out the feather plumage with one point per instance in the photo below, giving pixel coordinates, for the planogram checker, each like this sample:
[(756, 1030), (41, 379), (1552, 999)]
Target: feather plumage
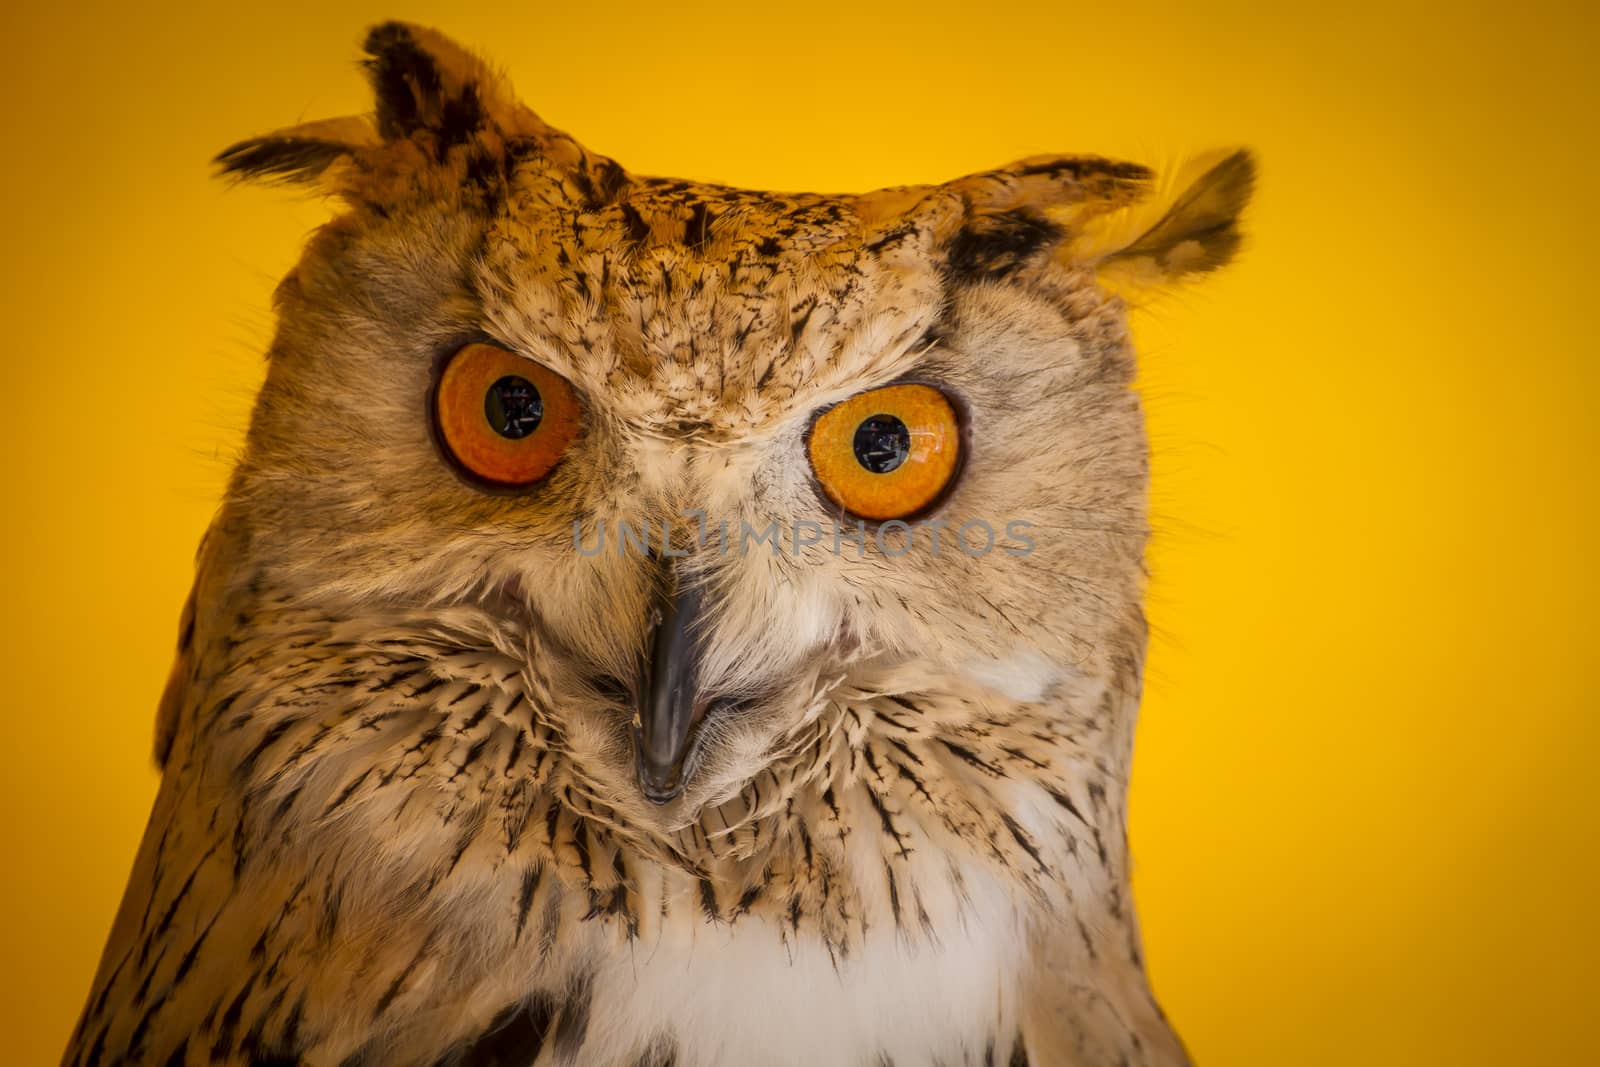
[(400, 819)]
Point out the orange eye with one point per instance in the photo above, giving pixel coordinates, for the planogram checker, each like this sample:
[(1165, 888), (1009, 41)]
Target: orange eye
[(886, 453), (506, 419)]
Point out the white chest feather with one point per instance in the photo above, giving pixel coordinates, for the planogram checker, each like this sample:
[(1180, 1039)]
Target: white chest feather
[(739, 995)]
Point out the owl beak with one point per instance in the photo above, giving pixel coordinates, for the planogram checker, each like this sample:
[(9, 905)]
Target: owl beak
[(670, 706)]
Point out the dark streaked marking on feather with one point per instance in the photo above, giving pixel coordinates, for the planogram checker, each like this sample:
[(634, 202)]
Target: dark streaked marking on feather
[(889, 827), (469, 759), (580, 845), (905, 749), (697, 229), (165, 922), (186, 963), (513, 1039), (992, 246), (530, 886), (609, 181), (708, 900), (280, 158), (222, 1047), (891, 238), (894, 895), (346, 793), (635, 229), (273, 734), (480, 714), (799, 316), (515, 753), (916, 783), (405, 80), (1017, 754), (1077, 168), (573, 1024), (460, 118), (1025, 841), (427, 687), (748, 898), (968, 756), (1061, 798), (395, 986), (1088, 942)]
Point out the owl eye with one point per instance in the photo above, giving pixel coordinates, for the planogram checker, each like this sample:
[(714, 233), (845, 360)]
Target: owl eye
[(506, 420), (886, 453)]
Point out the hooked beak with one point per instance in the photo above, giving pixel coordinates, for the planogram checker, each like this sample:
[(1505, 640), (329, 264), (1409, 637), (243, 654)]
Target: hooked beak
[(670, 706)]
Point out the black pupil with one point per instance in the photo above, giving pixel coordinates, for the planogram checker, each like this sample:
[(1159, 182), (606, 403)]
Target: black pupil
[(513, 406), (882, 443)]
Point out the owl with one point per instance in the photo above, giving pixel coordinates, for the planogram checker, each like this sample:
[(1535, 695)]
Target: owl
[(658, 623)]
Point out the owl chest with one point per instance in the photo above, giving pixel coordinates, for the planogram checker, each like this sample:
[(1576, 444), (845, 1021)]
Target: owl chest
[(755, 993)]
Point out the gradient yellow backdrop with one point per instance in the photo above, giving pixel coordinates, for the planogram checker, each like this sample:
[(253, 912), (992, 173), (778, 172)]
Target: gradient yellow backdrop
[(1362, 802)]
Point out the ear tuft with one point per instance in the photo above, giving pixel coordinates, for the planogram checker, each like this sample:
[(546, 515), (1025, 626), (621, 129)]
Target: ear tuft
[(273, 158), (1166, 239), (443, 121), (422, 79), (423, 83), (1018, 214), (301, 154)]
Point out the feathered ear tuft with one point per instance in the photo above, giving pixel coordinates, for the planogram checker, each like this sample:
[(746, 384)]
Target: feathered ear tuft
[(1192, 229), (443, 122), (425, 87), (423, 80), (301, 154), (1019, 214), (1087, 211)]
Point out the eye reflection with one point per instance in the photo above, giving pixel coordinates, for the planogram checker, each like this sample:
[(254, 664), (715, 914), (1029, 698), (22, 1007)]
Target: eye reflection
[(513, 406), (882, 443)]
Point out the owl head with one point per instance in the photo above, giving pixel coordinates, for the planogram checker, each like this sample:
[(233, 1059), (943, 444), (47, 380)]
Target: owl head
[(698, 462)]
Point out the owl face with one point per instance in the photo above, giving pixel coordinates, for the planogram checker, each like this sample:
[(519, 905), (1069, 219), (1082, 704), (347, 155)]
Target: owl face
[(700, 457)]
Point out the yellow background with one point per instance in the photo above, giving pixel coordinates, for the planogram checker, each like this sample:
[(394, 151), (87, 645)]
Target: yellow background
[(1362, 806)]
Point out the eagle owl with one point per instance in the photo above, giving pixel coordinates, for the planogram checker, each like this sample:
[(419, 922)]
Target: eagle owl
[(653, 622)]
